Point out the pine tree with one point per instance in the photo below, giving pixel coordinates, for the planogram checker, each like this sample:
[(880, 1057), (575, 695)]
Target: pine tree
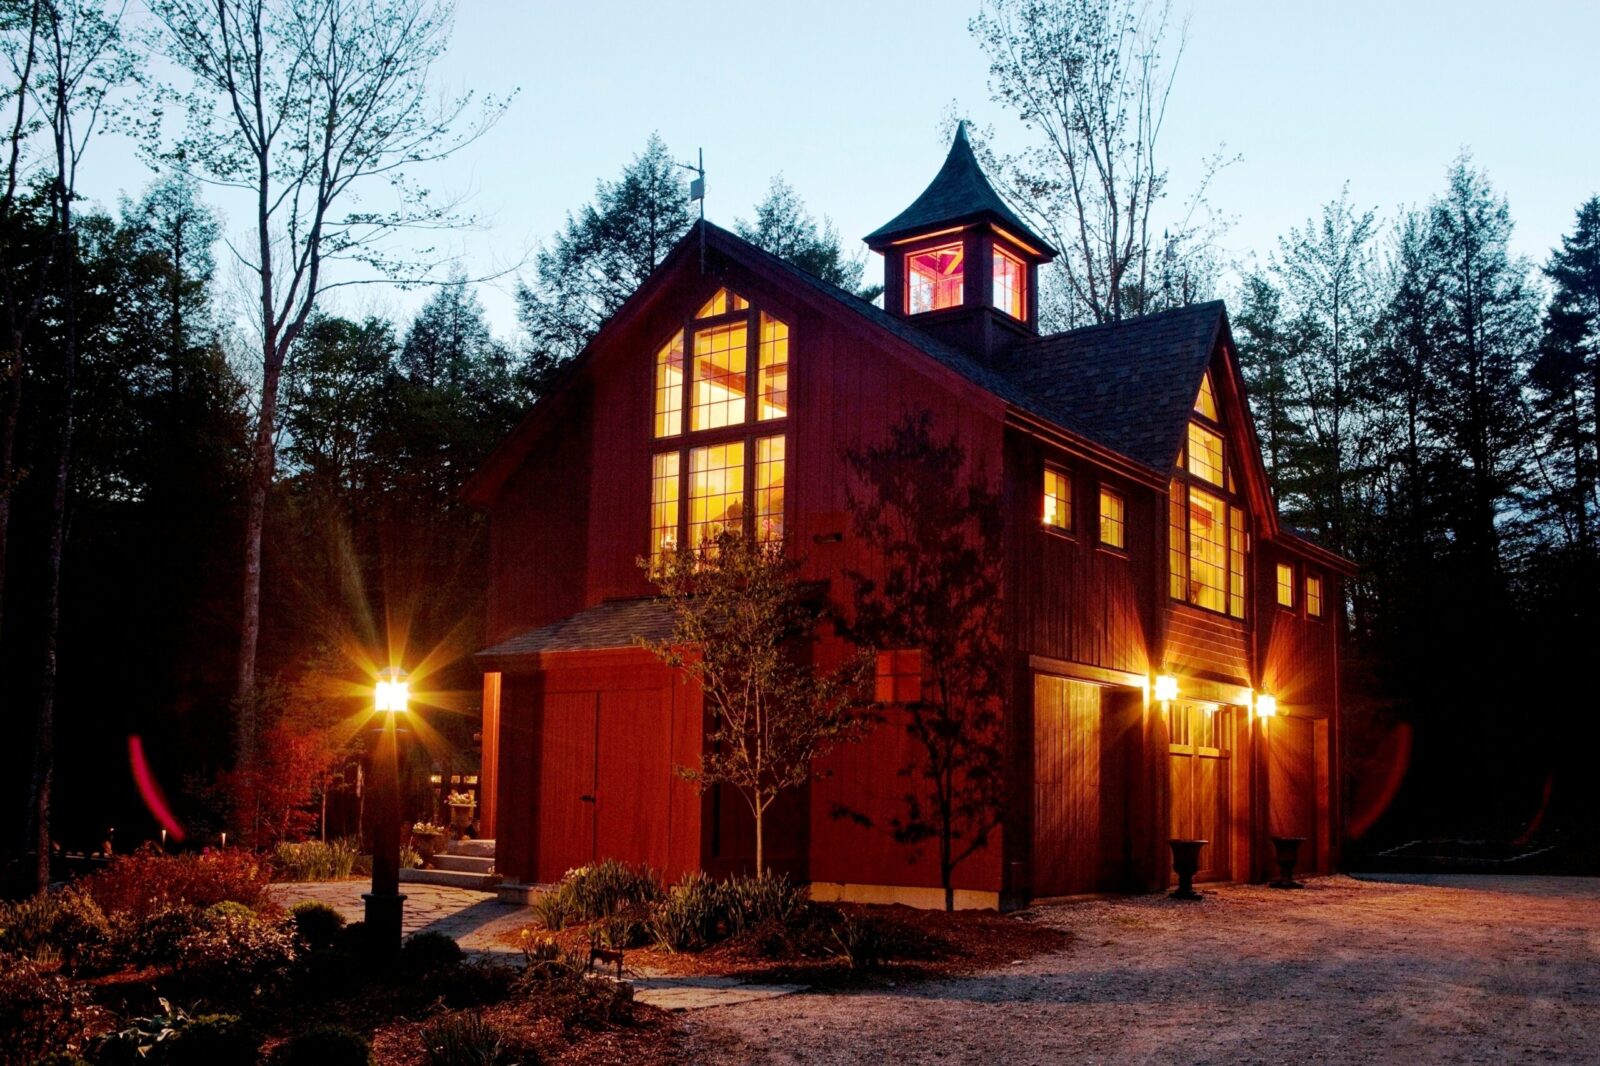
[(785, 228)]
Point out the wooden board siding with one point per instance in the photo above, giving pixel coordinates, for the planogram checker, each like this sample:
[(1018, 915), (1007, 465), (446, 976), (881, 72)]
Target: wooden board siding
[(1201, 644)]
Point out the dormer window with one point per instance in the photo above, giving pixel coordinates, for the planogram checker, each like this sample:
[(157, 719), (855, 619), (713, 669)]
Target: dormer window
[(1208, 542), (935, 278), (1010, 284)]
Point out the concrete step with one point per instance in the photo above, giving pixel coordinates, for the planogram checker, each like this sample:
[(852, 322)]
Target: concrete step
[(472, 864), (479, 848), (451, 878)]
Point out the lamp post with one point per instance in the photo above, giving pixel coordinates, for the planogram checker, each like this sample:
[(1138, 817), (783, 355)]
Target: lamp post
[(385, 904)]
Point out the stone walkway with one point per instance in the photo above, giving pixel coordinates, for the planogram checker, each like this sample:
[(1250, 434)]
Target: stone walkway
[(475, 920)]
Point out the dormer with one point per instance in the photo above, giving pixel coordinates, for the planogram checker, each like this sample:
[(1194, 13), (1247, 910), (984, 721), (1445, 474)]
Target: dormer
[(960, 263)]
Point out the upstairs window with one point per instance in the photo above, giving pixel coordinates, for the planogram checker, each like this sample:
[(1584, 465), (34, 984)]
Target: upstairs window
[(1057, 499), (935, 278), (1010, 284), (1313, 596), (728, 370), (1286, 585), (1113, 519), (1205, 454), (1206, 403)]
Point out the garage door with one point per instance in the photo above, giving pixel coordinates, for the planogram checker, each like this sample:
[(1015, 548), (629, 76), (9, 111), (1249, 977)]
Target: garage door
[(1292, 783), (1200, 737), (1071, 803)]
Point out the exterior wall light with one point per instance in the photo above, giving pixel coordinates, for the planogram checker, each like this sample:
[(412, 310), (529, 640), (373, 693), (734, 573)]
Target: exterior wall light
[(1166, 687), (392, 692), (1266, 706)]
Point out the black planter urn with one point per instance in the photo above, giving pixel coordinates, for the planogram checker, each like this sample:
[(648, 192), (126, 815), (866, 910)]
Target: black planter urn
[(1287, 852), (1185, 863)]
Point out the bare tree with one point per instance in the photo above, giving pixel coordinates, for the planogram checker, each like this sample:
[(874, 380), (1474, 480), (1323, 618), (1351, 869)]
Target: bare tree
[(1089, 79), (308, 107), (743, 620), (82, 61)]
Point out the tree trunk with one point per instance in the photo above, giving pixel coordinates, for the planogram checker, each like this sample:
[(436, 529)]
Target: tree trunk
[(262, 466), (8, 455), (761, 869)]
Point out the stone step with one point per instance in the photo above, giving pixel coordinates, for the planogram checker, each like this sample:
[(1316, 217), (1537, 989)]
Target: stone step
[(451, 878), (472, 864), (479, 848)]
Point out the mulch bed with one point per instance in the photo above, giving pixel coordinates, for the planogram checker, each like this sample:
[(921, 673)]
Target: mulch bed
[(924, 945)]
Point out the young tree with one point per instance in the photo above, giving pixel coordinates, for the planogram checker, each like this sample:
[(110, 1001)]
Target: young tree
[(601, 256), (937, 529), (1089, 80), (743, 626), (309, 106), (785, 228)]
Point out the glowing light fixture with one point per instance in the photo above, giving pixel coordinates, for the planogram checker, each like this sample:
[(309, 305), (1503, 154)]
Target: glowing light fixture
[(1266, 706), (393, 691), (1166, 687)]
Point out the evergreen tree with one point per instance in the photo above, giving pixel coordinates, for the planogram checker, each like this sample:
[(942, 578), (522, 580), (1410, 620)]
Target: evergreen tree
[(600, 257), (785, 228)]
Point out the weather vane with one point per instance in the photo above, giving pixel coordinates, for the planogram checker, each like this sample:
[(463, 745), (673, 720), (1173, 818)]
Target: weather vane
[(697, 193)]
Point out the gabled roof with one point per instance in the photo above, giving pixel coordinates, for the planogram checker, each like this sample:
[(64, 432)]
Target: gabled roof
[(608, 625), (1128, 386), (959, 193)]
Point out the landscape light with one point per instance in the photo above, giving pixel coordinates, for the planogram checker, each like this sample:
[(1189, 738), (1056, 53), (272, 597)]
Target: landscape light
[(392, 692)]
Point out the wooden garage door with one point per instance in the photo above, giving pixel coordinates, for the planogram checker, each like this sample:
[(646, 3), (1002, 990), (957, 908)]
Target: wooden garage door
[(1292, 783), (1068, 793), (1200, 737)]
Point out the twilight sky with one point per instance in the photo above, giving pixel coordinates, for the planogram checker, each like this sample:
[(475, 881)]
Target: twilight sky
[(846, 97)]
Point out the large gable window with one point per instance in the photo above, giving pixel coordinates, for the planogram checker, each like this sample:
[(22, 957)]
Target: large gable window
[(722, 477), (1208, 541), (935, 278)]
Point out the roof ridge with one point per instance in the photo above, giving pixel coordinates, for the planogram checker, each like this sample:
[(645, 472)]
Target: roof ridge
[(1210, 306)]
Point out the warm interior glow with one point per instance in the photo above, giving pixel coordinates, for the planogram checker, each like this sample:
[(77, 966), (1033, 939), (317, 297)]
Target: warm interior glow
[(1313, 596), (1057, 499), (934, 278), (722, 303), (1010, 284), (769, 488), (1285, 585), (1266, 706), (716, 492), (719, 377), (1166, 687), (663, 505), (1206, 402), (392, 691), (772, 385), (1205, 454), (669, 387), (1113, 519)]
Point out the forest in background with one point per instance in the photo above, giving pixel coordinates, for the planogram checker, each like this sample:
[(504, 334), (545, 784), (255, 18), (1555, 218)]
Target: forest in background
[(1427, 403)]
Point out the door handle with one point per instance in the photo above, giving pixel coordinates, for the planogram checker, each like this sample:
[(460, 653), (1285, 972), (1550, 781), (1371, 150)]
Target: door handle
[(586, 799)]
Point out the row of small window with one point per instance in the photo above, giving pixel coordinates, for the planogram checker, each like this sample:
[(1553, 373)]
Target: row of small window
[(721, 492), (936, 279), (717, 378), (1058, 509), (1314, 604)]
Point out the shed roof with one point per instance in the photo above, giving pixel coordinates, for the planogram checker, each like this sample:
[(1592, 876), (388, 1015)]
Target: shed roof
[(607, 625)]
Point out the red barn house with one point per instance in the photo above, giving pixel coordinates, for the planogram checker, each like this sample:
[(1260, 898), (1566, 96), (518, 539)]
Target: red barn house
[(1142, 550)]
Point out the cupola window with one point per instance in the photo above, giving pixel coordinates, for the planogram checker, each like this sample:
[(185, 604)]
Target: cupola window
[(935, 278), (1010, 284)]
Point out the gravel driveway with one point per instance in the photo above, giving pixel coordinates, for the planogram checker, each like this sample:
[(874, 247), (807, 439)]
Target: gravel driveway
[(1441, 969)]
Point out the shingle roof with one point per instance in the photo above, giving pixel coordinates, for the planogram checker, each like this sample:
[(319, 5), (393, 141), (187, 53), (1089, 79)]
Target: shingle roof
[(612, 624), (960, 192), (1125, 385)]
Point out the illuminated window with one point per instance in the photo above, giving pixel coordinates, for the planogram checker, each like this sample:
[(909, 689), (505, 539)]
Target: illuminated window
[(1285, 585), (719, 377), (1113, 519), (716, 492), (934, 278), (722, 303), (772, 374), (669, 388), (1057, 499), (1206, 403), (898, 677), (769, 488), (663, 505), (1313, 596), (1205, 454), (1207, 550), (1010, 284)]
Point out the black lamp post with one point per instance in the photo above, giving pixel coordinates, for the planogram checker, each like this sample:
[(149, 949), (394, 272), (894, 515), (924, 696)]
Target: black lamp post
[(385, 904)]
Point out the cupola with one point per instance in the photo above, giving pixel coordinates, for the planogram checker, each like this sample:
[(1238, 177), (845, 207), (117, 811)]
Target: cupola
[(960, 263)]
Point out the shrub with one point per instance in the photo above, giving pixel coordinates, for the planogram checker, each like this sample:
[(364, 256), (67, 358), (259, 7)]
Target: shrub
[(317, 923), (472, 984), (690, 916), (599, 891), (66, 923), (214, 1039), (748, 902), (230, 909), (314, 860), (464, 1039), (628, 928), (150, 939), (426, 952), (149, 880), (40, 1011), (552, 910), (234, 955), (331, 973), (861, 941), (325, 1045), (143, 1039)]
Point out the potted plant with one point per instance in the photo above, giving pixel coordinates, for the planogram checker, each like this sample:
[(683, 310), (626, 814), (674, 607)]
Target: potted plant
[(461, 806), (428, 838)]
